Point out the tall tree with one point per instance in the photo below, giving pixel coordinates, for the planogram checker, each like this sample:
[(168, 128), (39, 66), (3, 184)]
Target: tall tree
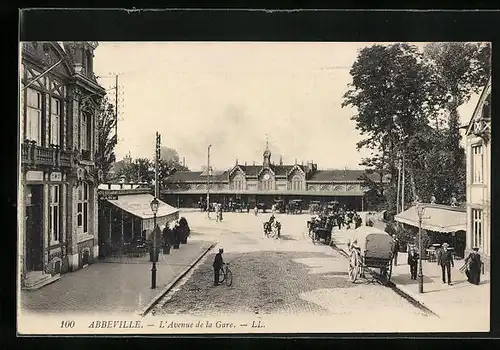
[(106, 122), (140, 170), (460, 69), (390, 91), (171, 158)]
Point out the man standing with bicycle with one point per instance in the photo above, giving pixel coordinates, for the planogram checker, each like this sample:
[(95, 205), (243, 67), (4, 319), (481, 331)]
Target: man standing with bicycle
[(218, 263)]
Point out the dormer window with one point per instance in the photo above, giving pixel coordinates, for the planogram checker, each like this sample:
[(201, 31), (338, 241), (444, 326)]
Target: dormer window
[(87, 62)]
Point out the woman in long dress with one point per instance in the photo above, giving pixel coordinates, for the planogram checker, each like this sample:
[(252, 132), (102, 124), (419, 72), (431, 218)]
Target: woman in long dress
[(474, 264)]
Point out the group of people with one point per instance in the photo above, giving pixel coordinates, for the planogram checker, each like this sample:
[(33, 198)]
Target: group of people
[(444, 256), (218, 211), (347, 218)]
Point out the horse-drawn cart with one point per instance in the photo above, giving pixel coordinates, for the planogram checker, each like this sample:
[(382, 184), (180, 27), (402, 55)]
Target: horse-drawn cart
[(370, 247), (320, 229)]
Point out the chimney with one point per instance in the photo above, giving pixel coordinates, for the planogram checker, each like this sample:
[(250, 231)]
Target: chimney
[(309, 166), (254, 162), (236, 161), (245, 164), (183, 161), (281, 160)]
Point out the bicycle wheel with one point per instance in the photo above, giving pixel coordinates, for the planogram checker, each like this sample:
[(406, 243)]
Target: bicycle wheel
[(229, 278), (222, 275)]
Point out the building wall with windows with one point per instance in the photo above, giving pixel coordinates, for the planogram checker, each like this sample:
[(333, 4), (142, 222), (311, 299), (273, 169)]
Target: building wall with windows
[(478, 149), (267, 183), (58, 179)]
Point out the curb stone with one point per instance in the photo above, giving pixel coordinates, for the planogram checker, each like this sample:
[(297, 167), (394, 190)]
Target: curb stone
[(172, 284), (402, 291)]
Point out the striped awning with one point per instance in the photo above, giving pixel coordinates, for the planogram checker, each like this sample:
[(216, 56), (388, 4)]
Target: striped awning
[(140, 205), (438, 218)]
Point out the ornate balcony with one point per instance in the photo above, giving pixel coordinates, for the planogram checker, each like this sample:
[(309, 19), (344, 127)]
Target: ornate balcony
[(34, 155)]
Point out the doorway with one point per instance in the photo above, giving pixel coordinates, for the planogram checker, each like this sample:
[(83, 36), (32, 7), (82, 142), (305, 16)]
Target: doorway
[(34, 228)]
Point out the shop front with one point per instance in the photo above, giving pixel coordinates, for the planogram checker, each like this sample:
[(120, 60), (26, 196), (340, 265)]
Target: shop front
[(440, 224), (127, 220)]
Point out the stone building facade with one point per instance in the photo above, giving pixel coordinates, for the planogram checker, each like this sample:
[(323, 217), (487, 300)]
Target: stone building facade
[(478, 150), (58, 179), (268, 182)]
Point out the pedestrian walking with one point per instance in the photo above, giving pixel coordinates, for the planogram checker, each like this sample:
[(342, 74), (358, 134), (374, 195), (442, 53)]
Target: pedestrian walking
[(357, 220), (439, 254), (340, 220), (255, 210), (474, 266), (218, 263), (413, 262), (447, 263), (348, 221), (396, 250)]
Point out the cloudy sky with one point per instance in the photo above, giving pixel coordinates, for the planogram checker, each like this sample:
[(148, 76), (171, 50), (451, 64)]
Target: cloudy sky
[(231, 95)]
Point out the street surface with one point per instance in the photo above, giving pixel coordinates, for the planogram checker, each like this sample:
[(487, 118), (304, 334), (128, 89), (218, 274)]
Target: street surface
[(290, 276)]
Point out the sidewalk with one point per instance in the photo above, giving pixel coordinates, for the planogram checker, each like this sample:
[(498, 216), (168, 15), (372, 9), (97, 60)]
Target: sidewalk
[(461, 299), (113, 287)]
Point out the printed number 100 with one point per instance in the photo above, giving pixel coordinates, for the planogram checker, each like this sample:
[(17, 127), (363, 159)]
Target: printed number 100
[(67, 324)]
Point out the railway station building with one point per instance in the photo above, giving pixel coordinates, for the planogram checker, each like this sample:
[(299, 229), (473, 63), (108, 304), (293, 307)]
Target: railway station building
[(266, 183)]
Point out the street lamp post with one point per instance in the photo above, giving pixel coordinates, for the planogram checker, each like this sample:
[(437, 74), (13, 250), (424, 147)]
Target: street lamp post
[(208, 181), (154, 208), (420, 212)]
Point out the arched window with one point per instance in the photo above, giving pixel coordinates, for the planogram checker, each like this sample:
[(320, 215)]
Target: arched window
[(82, 208), (239, 184), (296, 183)]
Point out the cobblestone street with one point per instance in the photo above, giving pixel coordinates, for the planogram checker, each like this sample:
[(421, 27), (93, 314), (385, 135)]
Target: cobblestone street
[(286, 276)]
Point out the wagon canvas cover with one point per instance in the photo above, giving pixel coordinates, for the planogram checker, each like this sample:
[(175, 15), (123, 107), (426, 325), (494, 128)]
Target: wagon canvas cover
[(374, 243)]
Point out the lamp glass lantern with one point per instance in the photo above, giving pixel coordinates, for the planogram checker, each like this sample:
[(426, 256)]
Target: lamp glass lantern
[(420, 210), (154, 205)]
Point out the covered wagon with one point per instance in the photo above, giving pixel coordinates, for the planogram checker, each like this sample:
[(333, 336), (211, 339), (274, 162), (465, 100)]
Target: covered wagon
[(370, 247)]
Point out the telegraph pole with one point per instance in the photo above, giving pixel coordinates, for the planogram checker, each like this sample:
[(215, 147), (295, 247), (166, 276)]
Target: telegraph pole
[(398, 191), (157, 160), (403, 185), (116, 107), (208, 181)]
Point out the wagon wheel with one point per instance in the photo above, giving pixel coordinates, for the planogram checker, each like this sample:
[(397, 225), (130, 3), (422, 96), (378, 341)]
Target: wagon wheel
[(353, 267), (389, 273)]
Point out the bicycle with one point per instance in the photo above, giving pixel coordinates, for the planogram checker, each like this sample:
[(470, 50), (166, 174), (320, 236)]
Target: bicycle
[(226, 275)]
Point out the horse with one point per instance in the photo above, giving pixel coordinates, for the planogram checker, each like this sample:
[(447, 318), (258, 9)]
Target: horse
[(272, 228)]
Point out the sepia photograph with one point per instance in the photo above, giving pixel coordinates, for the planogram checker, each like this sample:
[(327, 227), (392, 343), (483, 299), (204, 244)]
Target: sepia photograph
[(223, 187)]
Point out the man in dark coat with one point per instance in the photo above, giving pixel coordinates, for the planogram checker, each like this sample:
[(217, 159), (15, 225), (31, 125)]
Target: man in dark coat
[(474, 265), (446, 262), (218, 263), (413, 262), (357, 220)]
